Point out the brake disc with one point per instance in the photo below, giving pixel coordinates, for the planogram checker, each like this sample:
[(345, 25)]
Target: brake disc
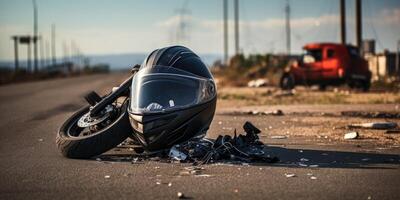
[(87, 121)]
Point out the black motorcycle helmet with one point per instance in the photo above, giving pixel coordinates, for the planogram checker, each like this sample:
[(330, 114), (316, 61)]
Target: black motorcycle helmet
[(173, 98)]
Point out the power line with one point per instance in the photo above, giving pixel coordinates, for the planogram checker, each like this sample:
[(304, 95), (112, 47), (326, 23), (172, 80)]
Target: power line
[(373, 28), (183, 24)]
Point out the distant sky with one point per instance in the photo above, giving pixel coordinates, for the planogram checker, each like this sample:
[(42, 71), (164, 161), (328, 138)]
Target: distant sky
[(137, 26)]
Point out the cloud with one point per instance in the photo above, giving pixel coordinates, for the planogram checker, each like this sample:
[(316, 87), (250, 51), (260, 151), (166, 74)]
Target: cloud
[(176, 20), (264, 35), (388, 17)]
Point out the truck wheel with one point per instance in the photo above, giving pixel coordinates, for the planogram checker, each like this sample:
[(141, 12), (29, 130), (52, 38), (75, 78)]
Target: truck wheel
[(351, 84), (322, 87), (365, 84), (287, 82)]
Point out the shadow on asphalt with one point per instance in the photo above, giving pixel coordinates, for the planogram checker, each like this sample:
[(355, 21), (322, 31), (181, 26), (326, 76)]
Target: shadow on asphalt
[(297, 158), (332, 159)]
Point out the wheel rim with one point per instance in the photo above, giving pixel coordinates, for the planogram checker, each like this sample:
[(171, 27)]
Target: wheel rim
[(75, 131)]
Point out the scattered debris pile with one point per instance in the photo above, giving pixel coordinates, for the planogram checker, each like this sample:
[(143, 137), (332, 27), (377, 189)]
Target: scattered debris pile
[(388, 115), (389, 127), (256, 112), (375, 125), (244, 148), (261, 82)]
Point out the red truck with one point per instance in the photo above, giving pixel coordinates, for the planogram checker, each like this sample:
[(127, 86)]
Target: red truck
[(326, 64)]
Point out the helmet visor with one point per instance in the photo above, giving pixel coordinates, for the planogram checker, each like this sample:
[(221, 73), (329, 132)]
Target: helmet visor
[(167, 89)]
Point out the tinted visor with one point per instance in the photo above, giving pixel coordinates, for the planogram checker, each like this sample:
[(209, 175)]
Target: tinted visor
[(161, 89)]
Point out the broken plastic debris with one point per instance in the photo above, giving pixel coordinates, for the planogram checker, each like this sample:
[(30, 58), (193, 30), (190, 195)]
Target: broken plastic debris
[(203, 175), (375, 125), (40, 140), (275, 112), (244, 148), (351, 135), (257, 83), (256, 112), (290, 175), (180, 195), (313, 177), (107, 176), (278, 137), (175, 154), (169, 184)]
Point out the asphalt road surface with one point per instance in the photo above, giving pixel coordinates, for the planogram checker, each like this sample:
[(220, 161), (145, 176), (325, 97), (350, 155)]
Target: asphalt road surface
[(32, 168)]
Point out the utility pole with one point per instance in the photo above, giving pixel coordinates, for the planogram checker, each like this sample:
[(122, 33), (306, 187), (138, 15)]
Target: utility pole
[(398, 58), (225, 2), (35, 36), (42, 63), (358, 25), (29, 68), (53, 44), (343, 21), (47, 53), (16, 41), (65, 53), (287, 11), (236, 27)]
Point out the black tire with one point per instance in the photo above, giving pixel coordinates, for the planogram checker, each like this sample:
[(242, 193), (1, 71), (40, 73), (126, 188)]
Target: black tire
[(351, 84), (322, 87), (287, 82), (83, 147), (366, 84)]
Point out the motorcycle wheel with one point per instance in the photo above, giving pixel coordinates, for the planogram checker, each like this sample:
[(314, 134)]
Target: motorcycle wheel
[(75, 142)]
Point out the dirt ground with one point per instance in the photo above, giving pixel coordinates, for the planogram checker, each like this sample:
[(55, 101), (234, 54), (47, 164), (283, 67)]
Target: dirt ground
[(309, 112)]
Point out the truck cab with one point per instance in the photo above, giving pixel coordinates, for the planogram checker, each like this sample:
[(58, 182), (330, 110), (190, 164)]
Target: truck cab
[(326, 64)]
